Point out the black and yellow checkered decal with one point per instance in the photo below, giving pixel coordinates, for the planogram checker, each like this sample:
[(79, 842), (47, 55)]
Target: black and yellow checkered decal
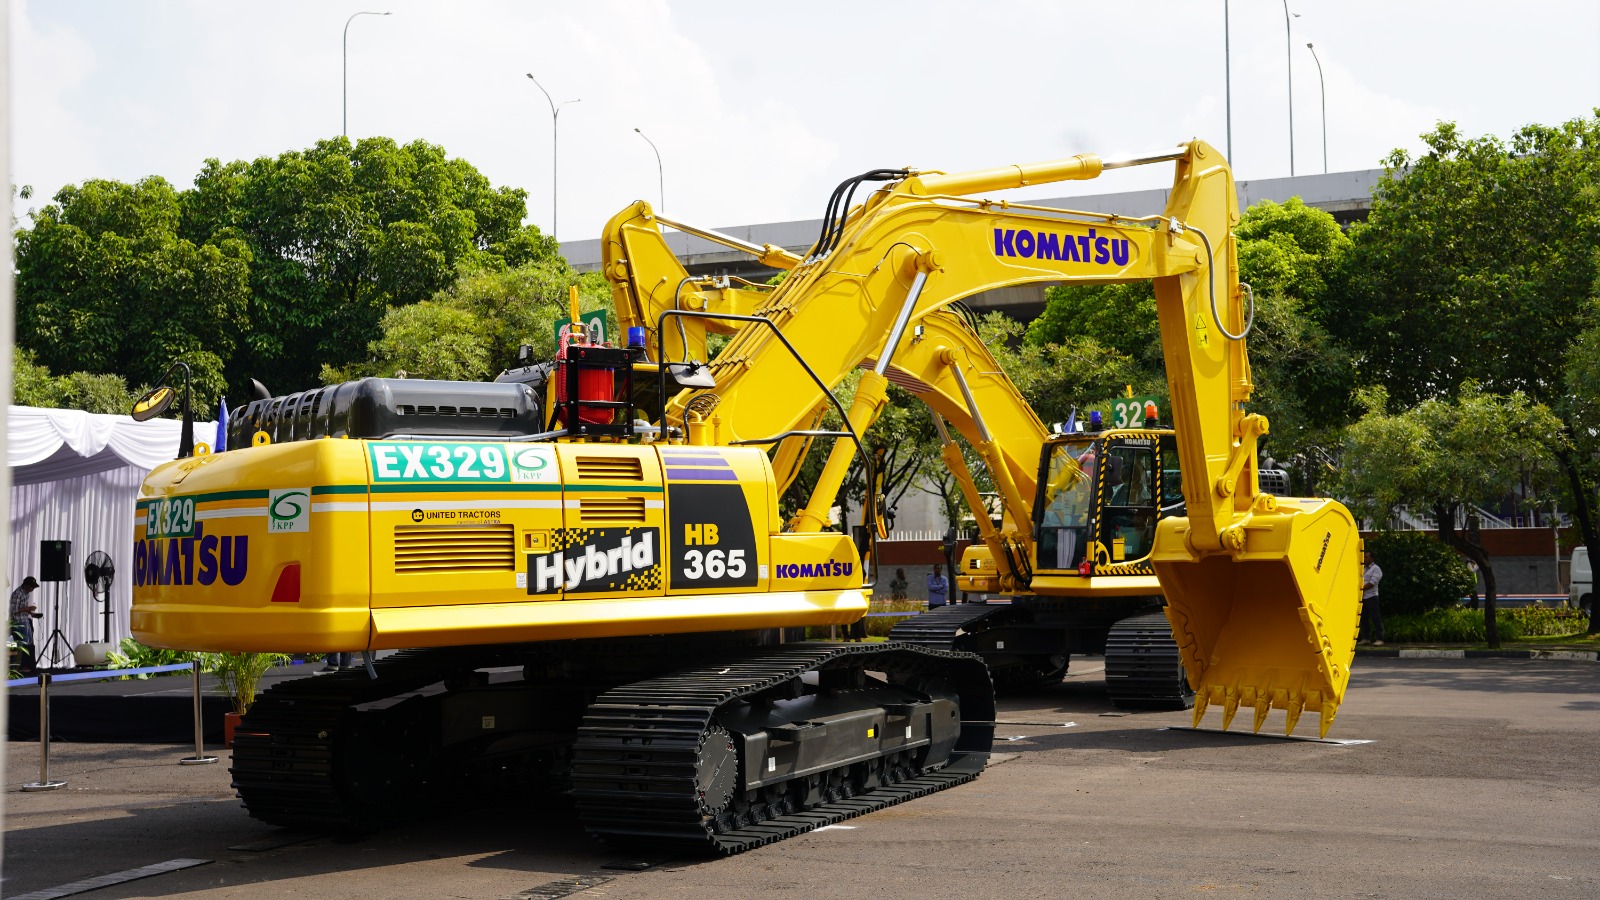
[(598, 560)]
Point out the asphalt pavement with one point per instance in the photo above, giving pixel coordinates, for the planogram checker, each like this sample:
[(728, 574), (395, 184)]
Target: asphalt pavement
[(1475, 780)]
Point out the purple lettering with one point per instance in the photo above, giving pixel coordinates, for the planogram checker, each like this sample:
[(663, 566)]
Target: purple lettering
[(1025, 243), (235, 558), (1002, 242)]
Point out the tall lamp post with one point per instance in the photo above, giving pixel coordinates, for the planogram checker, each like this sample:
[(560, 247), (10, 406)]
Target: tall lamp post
[(661, 177), (1227, 77), (555, 126), (1288, 49), (345, 127), (1324, 85)]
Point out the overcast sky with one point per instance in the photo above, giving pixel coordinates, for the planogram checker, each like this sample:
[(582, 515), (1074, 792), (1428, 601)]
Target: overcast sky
[(759, 109)]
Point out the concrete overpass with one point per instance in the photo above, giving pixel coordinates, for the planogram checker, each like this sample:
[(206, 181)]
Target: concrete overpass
[(1346, 195)]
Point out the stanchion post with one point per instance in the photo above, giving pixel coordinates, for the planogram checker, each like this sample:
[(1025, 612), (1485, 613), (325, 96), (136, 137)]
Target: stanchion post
[(199, 758), (44, 783)]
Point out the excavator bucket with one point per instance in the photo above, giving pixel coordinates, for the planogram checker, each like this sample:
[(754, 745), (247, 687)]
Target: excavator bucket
[(1271, 626)]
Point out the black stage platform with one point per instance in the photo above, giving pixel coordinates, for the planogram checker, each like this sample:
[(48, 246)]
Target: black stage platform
[(157, 711)]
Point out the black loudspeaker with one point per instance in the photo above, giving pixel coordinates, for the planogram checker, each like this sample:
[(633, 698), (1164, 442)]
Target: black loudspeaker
[(55, 560)]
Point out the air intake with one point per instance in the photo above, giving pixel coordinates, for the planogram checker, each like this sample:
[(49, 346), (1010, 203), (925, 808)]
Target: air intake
[(612, 510), (610, 468), (426, 548)]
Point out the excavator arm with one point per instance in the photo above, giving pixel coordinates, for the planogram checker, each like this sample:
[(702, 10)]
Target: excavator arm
[(1263, 592)]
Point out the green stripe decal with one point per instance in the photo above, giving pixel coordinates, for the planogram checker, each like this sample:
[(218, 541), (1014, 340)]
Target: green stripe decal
[(421, 488), (215, 496), (481, 488)]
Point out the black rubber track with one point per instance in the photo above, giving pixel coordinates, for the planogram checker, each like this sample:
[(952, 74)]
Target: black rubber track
[(285, 767), (938, 628), (948, 627), (636, 757), (288, 770), (1143, 669)]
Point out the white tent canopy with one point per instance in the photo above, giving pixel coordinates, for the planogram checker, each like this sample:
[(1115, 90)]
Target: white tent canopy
[(75, 477)]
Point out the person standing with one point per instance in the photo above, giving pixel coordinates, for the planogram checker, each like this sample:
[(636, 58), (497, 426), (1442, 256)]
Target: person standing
[(23, 612), (1371, 615), (337, 661), (898, 585), (938, 588)]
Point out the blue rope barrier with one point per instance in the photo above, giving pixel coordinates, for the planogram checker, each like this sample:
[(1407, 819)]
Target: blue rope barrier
[(95, 676)]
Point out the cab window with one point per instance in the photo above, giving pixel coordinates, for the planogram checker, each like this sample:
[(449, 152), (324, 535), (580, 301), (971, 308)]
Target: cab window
[(1128, 526), (1068, 508)]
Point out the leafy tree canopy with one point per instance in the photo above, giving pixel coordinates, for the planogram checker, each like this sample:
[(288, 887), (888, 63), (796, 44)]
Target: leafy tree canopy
[(270, 268), (33, 385), (1477, 263), (1447, 456)]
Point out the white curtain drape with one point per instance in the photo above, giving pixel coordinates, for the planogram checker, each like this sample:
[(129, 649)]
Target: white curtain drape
[(75, 477)]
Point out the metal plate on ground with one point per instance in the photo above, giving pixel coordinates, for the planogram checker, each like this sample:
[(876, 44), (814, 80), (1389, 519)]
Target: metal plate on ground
[(1343, 742), (566, 887), (105, 881)]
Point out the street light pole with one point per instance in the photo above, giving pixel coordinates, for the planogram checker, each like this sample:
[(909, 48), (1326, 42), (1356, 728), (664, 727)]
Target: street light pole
[(1324, 85), (660, 175), (345, 125), (555, 131), (1288, 49), (1227, 76)]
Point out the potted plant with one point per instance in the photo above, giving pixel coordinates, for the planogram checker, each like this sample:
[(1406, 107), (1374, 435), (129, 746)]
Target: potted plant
[(239, 676)]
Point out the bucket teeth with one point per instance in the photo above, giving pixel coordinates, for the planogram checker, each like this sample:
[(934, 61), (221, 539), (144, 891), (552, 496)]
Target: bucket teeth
[(1201, 701), (1291, 712), (1263, 706), (1230, 705), (1328, 711)]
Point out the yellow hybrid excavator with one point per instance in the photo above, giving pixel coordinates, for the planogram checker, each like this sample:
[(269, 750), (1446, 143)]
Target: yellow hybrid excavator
[(585, 571)]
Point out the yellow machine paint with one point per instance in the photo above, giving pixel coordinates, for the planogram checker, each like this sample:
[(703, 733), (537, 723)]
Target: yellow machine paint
[(332, 544)]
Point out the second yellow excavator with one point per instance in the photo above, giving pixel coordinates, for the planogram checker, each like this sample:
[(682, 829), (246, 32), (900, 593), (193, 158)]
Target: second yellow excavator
[(1081, 548)]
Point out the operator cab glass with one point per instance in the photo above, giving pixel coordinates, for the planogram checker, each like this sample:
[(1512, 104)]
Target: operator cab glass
[(1068, 509), (1128, 524), (1103, 493)]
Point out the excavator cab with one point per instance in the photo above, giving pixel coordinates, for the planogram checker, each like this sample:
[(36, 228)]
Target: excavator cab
[(1100, 496)]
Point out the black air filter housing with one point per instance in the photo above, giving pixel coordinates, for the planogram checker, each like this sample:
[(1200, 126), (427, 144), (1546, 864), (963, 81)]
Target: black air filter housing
[(390, 407)]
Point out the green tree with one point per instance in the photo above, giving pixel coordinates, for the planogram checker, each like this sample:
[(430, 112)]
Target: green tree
[(473, 328), (341, 234), (1447, 456), (1478, 263), (106, 284), (33, 385), (270, 269)]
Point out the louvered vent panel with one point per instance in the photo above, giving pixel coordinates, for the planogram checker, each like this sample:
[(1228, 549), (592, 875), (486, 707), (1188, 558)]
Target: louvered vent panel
[(424, 549), (612, 510), (610, 468)]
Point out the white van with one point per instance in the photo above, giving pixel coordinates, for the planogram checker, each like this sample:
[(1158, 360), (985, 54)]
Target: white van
[(1581, 577)]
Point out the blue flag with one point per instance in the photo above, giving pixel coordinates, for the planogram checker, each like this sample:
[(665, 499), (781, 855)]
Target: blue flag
[(221, 443)]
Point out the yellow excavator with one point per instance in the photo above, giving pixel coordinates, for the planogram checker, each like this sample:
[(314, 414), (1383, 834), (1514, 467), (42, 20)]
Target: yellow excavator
[(586, 575)]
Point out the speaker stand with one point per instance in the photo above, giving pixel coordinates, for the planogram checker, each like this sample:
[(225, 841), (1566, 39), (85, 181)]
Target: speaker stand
[(45, 651)]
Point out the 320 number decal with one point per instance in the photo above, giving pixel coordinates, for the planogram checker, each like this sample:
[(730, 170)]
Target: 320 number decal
[(713, 564)]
